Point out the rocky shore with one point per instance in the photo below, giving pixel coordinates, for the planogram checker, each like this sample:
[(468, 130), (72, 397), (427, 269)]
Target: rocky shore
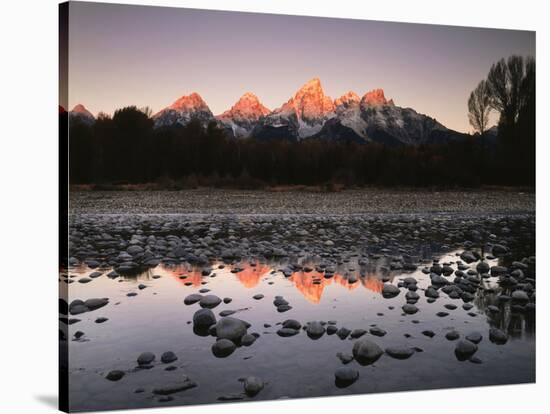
[(301, 202), (244, 292)]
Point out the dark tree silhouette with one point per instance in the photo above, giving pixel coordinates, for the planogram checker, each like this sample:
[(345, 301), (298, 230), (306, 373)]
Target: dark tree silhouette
[(509, 85), (127, 149), (512, 86), (479, 107)]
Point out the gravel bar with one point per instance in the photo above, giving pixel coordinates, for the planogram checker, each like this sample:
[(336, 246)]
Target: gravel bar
[(376, 201)]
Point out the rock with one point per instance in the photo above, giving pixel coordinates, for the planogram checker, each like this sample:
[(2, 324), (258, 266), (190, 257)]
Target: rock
[(399, 352), (442, 314), (141, 286), (101, 320), (168, 357), (345, 358), (497, 336), (258, 296), (499, 250), (409, 309), (279, 301), (115, 375), (231, 397), (209, 301), (193, 298), (292, 324), (230, 328), (223, 348), (286, 332), (465, 349), (390, 291), (78, 334), (146, 358), (343, 332), (468, 256), (357, 333), (204, 318), (253, 385), (78, 309), (483, 267), (452, 335), (474, 337), (431, 292), (428, 333), (134, 250), (498, 270), (175, 388), (376, 331), (84, 280), (331, 329), (520, 296), (283, 308), (345, 376), (412, 297), (315, 330), (248, 339), (438, 280), (366, 352), (450, 306), (227, 300)]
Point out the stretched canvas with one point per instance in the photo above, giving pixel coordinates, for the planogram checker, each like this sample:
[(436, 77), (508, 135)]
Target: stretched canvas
[(257, 206)]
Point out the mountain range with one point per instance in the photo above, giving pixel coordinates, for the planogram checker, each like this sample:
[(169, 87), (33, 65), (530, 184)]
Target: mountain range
[(309, 114)]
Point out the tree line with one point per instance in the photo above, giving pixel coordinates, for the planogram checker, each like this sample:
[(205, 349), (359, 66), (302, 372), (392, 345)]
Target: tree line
[(126, 148), (509, 90)]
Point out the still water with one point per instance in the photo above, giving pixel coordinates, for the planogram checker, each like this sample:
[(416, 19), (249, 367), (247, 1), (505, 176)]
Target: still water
[(157, 320)]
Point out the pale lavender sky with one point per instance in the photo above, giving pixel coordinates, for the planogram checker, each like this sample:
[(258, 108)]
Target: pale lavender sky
[(123, 55)]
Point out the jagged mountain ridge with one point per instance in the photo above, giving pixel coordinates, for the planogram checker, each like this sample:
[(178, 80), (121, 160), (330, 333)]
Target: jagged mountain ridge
[(310, 114)]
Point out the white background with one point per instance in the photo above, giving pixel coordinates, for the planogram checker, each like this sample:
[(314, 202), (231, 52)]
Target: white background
[(28, 202)]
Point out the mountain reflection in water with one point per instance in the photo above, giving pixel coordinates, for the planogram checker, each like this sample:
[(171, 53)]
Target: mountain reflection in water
[(313, 285), (310, 284)]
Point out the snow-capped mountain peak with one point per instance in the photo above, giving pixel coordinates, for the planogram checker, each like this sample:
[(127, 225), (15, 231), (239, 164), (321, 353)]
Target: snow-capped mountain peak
[(304, 114), (348, 99), (79, 111), (241, 119), (248, 107), (310, 114), (375, 97), (310, 102), (189, 103), (183, 110)]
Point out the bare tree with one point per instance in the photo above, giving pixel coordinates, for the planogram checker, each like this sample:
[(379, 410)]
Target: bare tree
[(506, 82), (479, 107)]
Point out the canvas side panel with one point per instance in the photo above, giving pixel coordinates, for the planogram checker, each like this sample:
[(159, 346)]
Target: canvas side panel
[(63, 147)]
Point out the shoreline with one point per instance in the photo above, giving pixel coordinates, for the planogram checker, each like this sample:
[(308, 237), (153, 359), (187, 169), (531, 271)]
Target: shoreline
[(346, 202)]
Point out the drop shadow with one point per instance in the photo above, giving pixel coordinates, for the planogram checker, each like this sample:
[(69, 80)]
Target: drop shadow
[(48, 400)]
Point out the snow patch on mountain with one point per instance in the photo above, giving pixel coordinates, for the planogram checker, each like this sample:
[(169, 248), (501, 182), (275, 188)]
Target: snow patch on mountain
[(243, 116), (183, 110)]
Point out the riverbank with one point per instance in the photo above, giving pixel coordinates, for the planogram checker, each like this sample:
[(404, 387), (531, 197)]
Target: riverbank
[(376, 201)]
